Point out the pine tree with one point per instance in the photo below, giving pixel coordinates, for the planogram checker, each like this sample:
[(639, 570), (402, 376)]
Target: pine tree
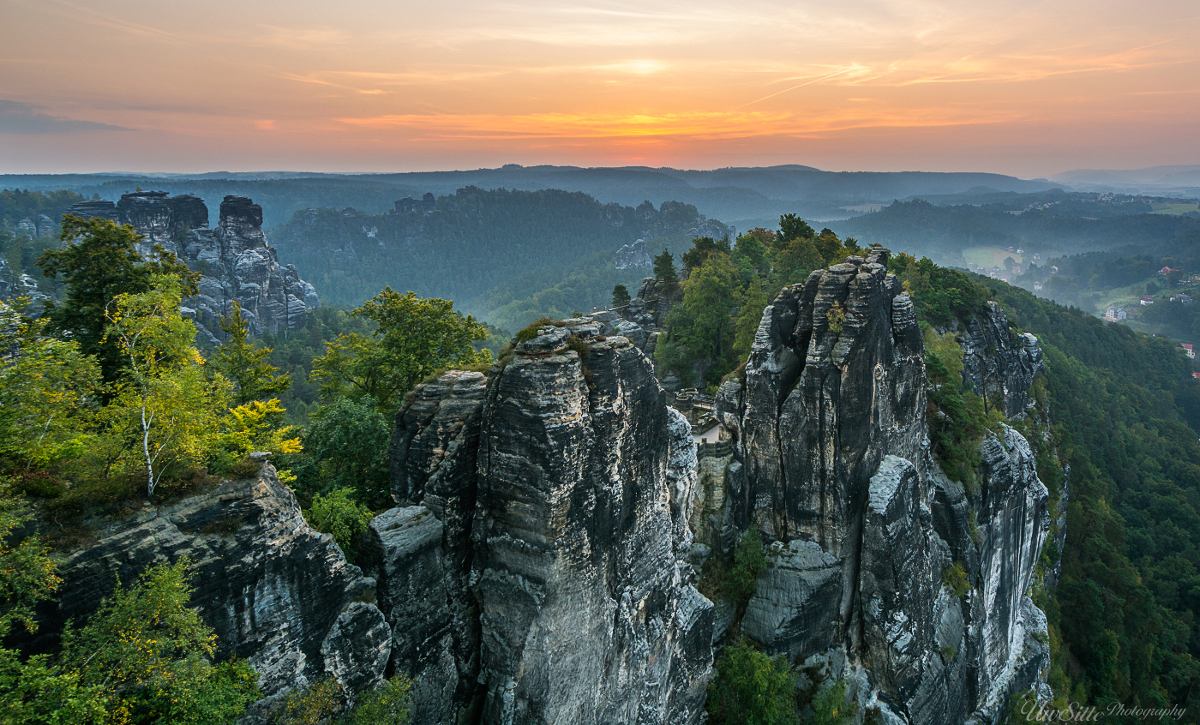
[(243, 362), (620, 296), (664, 268)]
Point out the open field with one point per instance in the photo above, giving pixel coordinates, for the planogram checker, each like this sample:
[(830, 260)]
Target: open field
[(1174, 208)]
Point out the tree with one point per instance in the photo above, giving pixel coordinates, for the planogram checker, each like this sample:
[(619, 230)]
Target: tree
[(702, 323), (339, 516), (749, 317), (752, 689), (620, 296), (413, 338), (163, 393), (791, 226), (664, 268), (346, 447), (245, 364), (153, 653), (99, 261), (702, 249), (47, 396)]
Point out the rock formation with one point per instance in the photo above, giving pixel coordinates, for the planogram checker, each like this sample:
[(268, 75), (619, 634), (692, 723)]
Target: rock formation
[(278, 594), (998, 363), (633, 255), (560, 492), (540, 564), (235, 260), (836, 470)]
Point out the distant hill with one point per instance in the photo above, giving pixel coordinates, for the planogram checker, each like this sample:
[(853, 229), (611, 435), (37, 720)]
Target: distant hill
[(507, 256), (1182, 179), (732, 194)]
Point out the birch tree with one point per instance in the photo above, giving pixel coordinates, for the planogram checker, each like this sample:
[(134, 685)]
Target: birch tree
[(164, 394)]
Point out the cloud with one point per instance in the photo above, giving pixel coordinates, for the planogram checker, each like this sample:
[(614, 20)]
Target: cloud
[(22, 118)]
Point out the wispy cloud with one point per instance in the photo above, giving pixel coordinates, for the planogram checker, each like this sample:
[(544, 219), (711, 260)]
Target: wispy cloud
[(23, 118)]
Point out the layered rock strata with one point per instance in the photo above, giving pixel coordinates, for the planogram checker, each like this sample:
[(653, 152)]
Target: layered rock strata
[(999, 363), (277, 594), (830, 431), (576, 552), (235, 260)]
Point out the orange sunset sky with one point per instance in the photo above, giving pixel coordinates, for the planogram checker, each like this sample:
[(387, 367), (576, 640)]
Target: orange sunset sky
[(1014, 86)]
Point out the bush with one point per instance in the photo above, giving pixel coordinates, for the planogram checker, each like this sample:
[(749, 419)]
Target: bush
[(955, 578), (748, 563), (385, 705), (752, 689), (831, 708), (313, 705), (339, 515)]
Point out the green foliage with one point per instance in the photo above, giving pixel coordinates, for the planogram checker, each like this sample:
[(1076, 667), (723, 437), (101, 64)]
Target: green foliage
[(956, 415), (836, 317), (701, 325), (163, 396), (620, 296), (413, 337), (664, 267), (385, 705), (748, 319), (26, 570), (48, 397), (345, 447), (143, 657), (314, 705), (831, 707), (748, 563), (257, 426), (941, 294), (320, 702), (751, 689), (98, 263), (337, 514), (245, 364), (702, 249), (955, 578), (792, 227)]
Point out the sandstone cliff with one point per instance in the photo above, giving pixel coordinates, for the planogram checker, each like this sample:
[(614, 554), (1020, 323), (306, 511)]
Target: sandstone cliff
[(835, 468), (277, 594), (558, 492), (234, 259)]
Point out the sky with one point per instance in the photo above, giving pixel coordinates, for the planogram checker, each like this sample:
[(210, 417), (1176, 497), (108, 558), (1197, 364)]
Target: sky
[(1011, 86)]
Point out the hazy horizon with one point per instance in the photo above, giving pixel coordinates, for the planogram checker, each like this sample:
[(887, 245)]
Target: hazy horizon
[(1015, 87)]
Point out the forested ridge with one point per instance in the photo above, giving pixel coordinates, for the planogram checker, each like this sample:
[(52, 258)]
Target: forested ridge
[(490, 251)]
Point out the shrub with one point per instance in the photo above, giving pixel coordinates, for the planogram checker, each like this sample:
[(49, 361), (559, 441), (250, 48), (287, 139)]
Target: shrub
[(955, 578), (337, 514), (314, 705), (836, 317), (748, 563), (752, 689), (385, 705), (831, 708)]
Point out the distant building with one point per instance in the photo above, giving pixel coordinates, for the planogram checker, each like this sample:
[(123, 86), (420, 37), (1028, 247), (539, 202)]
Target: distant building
[(1020, 250), (1147, 301), (1166, 270), (1036, 255), (1037, 286), (1113, 314), (1181, 297), (1187, 348)]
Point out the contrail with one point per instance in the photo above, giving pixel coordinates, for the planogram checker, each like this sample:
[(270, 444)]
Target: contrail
[(785, 90)]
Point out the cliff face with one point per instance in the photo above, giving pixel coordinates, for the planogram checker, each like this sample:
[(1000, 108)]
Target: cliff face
[(278, 594), (998, 363), (234, 259), (575, 553), (831, 437)]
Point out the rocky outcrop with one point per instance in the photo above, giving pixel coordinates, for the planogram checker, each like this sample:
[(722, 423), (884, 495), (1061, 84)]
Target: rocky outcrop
[(999, 363), (633, 255), (576, 553), (830, 430), (277, 594), (235, 260)]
